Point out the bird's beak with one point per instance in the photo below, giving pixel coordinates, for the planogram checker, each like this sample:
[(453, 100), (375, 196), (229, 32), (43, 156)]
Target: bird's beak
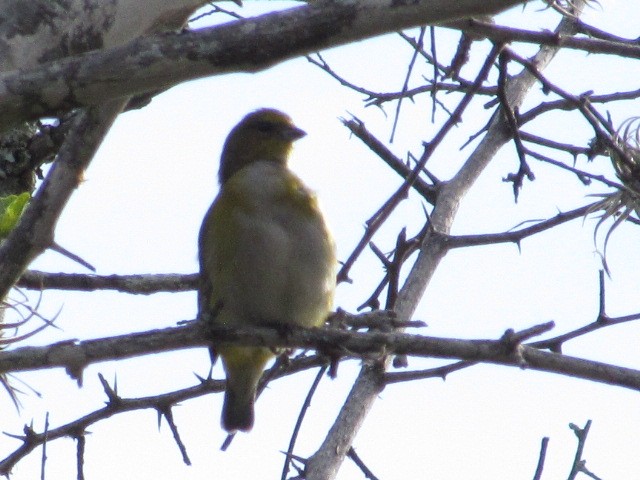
[(293, 133)]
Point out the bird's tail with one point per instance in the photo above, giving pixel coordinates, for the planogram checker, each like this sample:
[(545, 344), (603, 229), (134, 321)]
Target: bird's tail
[(244, 367)]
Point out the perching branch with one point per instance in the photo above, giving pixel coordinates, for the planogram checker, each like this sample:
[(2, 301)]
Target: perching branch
[(74, 356)]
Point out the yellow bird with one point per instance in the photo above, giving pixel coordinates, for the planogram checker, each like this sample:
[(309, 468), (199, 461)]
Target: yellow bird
[(266, 255)]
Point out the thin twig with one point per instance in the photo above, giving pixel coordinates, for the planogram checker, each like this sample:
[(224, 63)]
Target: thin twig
[(376, 221), (405, 86), (541, 458), (361, 465), (142, 284), (301, 415)]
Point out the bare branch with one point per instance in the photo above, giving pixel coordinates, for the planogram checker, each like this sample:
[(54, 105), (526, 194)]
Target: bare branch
[(437, 372), (623, 47), (115, 405), (74, 356), (516, 236), (161, 61), (361, 465), (34, 233), (358, 128), (579, 465), (298, 425), (603, 320), (324, 464), (418, 48), (541, 458), (143, 284), (166, 412), (570, 104), (512, 122), (383, 213)]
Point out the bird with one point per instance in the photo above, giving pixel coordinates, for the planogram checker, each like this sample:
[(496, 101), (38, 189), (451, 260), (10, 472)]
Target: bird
[(266, 254)]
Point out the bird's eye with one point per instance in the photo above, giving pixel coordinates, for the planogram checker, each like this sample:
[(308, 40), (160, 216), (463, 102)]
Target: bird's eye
[(265, 127)]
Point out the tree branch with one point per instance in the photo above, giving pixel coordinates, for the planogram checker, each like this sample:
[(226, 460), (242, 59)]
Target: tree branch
[(324, 464), (499, 33), (42, 30), (116, 405), (74, 356), (516, 236), (143, 284), (249, 45), (34, 232)]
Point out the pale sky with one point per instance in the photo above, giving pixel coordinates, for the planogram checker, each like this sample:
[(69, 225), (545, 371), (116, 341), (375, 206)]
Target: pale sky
[(140, 209)]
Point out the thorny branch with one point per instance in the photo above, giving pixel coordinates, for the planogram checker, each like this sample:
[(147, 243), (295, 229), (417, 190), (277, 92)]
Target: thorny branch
[(339, 438), (74, 356), (383, 213), (553, 344), (117, 404), (361, 465), (358, 128), (580, 465), (603, 320), (507, 350), (612, 46), (512, 122)]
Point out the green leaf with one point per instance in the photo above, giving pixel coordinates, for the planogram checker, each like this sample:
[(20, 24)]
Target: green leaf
[(11, 209)]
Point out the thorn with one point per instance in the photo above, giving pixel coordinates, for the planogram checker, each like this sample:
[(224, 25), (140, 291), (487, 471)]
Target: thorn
[(72, 256)]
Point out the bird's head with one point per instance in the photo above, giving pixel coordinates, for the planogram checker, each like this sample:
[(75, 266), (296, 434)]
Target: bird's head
[(263, 135)]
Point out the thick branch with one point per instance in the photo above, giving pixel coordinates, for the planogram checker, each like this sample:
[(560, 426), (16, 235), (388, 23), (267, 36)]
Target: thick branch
[(249, 45), (34, 233), (43, 30), (74, 356)]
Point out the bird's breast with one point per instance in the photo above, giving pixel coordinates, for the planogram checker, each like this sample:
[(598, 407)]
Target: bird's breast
[(283, 256)]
